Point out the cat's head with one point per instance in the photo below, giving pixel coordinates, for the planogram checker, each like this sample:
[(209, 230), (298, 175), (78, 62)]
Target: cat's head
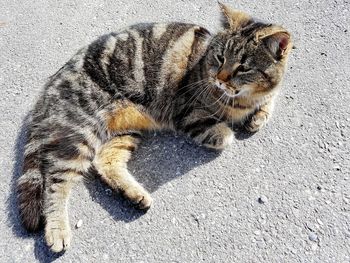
[(248, 57)]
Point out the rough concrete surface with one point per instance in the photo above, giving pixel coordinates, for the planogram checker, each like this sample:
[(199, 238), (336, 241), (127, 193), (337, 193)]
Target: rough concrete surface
[(281, 195)]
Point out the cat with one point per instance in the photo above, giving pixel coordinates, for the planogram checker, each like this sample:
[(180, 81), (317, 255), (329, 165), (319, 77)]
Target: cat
[(173, 76)]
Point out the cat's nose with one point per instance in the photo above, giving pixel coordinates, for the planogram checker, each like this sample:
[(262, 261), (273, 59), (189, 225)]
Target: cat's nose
[(227, 72), (220, 83), (224, 75)]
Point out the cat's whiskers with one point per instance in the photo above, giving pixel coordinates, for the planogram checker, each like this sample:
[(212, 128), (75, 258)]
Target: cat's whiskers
[(195, 95), (192, 101), (206, 92), (195, 98), (194, 84), (211, 104), (223, 107), (214, 114)]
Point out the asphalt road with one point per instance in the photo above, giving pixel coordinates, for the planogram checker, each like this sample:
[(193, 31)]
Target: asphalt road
[(207, 206)]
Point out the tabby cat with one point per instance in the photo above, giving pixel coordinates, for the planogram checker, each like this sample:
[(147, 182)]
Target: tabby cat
[(172, 76)]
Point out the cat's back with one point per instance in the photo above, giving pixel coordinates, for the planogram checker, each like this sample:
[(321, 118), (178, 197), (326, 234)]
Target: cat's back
[(144, 58)]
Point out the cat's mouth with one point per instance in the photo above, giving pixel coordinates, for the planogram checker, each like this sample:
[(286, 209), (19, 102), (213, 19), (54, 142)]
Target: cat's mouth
[(228, 91)]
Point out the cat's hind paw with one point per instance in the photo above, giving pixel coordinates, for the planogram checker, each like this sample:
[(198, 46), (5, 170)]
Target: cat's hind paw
[(58, 238), (139, 196)]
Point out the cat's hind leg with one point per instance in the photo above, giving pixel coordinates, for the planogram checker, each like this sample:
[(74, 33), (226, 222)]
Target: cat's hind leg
[(66, 157), (111, 163), (57, 228)]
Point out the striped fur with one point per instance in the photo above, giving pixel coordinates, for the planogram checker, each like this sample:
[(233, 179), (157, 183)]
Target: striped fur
[(150, 76)]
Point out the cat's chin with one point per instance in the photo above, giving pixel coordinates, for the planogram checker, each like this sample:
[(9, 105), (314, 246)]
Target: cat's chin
[(232, 94)]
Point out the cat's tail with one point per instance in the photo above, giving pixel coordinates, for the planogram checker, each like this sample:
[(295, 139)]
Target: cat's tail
[(30, 190)]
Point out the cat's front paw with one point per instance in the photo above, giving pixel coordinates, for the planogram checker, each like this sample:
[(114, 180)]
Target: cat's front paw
[(258, 121), (58, 235), (139, 196), (218, 137)]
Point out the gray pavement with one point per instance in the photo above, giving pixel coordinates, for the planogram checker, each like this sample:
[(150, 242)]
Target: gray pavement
[(207, 206)]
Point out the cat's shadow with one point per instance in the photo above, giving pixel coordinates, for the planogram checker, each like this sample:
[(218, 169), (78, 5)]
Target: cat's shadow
[(160, 159)]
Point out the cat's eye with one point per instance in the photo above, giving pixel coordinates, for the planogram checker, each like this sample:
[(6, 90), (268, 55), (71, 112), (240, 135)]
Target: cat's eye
[(240, 68)]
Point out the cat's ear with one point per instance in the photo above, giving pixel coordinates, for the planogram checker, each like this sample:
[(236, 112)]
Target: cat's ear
[(278, 41), (233, 19)]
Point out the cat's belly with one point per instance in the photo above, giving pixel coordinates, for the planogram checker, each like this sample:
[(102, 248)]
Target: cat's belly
[(126, 116)]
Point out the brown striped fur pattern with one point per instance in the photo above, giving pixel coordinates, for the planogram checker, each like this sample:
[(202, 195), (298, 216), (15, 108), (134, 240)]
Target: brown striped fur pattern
[(172, 76)]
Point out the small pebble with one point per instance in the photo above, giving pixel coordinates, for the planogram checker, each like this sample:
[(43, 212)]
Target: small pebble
[(79, 223), (108, 192), (313, 237), (262, 199)]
